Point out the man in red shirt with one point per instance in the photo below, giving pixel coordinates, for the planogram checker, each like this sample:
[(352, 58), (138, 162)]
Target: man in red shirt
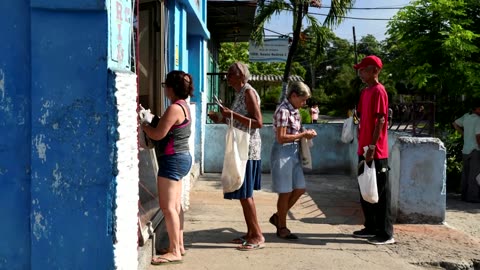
[(372, 132)]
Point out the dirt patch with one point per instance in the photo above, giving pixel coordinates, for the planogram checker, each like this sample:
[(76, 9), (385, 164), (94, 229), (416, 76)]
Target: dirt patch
[(436, 245), (433, 246)]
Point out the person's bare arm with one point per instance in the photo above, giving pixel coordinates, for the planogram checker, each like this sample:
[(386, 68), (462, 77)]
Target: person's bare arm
[(168, 119), (254, 113), (376, 135), (458, 128), (478, 139)]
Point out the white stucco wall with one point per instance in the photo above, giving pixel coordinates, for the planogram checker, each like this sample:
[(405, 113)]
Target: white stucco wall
[(125, 249)]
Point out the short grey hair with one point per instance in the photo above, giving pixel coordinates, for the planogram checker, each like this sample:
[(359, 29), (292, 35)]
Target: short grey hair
[(299, 88), (241, 70)]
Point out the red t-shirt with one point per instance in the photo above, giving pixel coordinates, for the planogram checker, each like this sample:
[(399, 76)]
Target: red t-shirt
[(373, 102)]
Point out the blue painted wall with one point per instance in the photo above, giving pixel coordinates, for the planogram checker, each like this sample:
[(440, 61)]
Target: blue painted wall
[(186, 52), (196, 68), (15, 143), (58, 125)]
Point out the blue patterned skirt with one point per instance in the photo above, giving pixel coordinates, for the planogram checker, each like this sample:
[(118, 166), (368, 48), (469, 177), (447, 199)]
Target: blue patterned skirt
[(252, 181)]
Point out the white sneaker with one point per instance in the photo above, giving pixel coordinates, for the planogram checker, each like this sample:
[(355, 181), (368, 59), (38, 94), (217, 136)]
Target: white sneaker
[(381, 241)]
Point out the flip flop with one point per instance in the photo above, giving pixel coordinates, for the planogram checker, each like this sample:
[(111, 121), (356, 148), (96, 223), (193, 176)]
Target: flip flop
[(239, 240), (164, 251), (249, 247), (165, 261), (289, 236)]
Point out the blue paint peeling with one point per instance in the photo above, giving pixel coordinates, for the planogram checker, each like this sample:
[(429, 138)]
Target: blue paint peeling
[(58, 122)]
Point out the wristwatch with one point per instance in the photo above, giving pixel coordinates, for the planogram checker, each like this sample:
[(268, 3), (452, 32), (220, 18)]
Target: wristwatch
[(371, 147)]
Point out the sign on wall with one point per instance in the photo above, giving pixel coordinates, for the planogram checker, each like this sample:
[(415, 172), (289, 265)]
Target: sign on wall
[(120, 25), (273, 50)]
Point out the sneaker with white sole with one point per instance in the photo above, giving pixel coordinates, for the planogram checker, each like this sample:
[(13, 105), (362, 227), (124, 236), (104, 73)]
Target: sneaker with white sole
[(381, 241), (363, 233)]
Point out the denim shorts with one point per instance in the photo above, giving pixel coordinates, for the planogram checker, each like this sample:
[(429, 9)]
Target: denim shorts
[(174, 167), (287, 171)]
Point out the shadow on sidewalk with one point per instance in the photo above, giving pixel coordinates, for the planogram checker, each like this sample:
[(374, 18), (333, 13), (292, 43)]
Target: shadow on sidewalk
[(454, 203), (222, 237)]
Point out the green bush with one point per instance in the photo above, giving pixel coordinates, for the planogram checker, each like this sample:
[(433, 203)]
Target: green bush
[(453, 143), (305, 114), (271, 98)]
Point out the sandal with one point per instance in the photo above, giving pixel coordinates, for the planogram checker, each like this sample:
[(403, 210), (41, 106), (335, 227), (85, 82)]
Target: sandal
[(249, 247), (162, 260), (289, 236), (239, 240), (164, 251), (274, 220)]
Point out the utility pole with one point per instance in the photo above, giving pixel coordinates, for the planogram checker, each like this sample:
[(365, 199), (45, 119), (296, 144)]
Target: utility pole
[(355, 47)]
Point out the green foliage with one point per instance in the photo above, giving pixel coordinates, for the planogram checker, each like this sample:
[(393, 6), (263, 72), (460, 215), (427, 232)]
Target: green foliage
[(305, 114), (435, 47), (272, 95), (453, 142)]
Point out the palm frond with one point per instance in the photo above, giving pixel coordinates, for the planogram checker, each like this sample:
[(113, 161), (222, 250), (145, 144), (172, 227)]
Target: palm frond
[(338, 9), (264, 13)]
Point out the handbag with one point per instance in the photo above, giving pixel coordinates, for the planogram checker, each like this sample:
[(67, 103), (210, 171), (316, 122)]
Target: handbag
[(305, 154), (143, 140), (368, 183), (347, 130), (236, 156)]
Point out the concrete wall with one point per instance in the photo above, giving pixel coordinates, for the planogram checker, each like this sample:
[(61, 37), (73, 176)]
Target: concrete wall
[(419, 180), (417, 176), (330, 155)]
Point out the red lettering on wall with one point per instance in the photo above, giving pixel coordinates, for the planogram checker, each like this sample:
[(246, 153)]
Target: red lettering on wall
[(120, 52), (119, 10), (119, 36), (128, 12)]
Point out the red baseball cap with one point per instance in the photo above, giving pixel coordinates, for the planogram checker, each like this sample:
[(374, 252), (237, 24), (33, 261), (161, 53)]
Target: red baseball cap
[(370, 60)]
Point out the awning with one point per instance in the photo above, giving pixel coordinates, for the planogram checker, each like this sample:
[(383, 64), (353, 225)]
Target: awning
[(230, 21)]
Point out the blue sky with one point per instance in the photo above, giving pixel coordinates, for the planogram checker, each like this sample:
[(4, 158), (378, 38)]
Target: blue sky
[(283, 22)]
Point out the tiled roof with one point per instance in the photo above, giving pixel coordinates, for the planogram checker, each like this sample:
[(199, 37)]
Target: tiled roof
[(274, 78)]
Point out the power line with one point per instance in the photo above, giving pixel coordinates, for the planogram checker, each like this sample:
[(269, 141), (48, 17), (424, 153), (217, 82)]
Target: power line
[(372, 8), (352, 18), (361, 8)]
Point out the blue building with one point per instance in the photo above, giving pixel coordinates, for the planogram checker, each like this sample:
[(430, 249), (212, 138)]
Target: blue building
[(69, 167)]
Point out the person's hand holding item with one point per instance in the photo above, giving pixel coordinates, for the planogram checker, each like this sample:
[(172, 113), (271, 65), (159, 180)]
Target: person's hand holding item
[(226, 112), (216, 117), (145, 116), (309, 133)]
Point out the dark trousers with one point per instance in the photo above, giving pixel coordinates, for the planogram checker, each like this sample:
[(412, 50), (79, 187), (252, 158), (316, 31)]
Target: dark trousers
[(378, 216), (471, 168)]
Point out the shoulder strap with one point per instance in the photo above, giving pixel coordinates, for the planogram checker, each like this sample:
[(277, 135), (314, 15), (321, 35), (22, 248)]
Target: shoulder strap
[(183, 109)]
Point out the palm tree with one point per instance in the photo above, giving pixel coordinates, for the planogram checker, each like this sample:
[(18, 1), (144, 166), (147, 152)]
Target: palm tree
[(299, 8)]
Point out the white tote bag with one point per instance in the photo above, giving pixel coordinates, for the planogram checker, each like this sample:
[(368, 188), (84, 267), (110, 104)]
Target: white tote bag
[(236, 156), (347, 131), (305, 154), (368, 183)]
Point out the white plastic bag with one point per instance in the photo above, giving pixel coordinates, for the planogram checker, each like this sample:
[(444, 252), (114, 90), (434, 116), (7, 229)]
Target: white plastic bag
[(305, 154), (236, 156), (347, 131), (368, 183)]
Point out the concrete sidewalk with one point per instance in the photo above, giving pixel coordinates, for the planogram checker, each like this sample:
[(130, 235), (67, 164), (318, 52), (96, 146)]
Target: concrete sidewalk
[(323, 219)]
